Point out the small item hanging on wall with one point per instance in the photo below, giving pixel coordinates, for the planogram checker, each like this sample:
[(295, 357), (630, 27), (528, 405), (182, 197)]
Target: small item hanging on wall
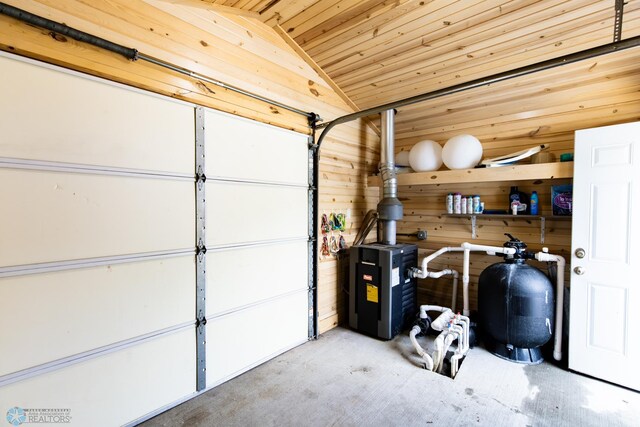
[(339, 221), (332, 221), (325, 224), (333, 245), (343, 243), (324, 250)]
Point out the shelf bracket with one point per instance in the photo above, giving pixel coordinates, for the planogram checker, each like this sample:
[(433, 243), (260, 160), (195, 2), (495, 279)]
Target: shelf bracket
[(542, 226), (474, 235)]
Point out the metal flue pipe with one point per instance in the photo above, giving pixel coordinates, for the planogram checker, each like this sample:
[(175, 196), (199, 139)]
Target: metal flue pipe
[(389, 208)]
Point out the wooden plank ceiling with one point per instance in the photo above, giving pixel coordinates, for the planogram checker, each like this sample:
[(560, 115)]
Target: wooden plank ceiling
[(377, 51)]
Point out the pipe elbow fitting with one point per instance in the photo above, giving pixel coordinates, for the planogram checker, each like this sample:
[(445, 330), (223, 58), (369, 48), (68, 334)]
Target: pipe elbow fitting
[(416, 273)]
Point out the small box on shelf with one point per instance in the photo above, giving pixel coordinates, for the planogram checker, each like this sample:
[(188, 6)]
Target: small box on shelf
[(562, 200)]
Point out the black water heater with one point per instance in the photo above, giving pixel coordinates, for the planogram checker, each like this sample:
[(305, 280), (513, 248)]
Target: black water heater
[(382, 296)]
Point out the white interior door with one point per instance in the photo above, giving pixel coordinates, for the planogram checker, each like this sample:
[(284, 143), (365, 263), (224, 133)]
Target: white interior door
[(605, 292)]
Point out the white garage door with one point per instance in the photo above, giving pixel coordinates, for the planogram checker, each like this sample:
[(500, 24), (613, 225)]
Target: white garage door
[(101, 281), (257, 236)]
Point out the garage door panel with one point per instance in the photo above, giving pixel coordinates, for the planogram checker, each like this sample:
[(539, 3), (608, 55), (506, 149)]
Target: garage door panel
[(242, 149), (55, 216), (243, 276), (243, 213), (107, 177), (114, 126), (115, 388), (277, 325), (64, 313)]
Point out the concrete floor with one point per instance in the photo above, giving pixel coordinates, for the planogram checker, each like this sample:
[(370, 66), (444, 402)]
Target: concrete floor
[(347, 379)]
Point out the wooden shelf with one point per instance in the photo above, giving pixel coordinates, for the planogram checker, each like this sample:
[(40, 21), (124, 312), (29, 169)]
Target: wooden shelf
[(474, 219), (557, 170), (506, 216)]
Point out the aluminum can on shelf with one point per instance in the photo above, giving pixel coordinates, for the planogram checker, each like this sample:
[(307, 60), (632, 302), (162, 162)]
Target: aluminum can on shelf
[(457, 202), (470, 204), (477, 208), (449, 203)]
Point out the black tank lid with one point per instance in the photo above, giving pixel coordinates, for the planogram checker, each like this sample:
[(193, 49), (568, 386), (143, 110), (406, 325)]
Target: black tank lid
[(518, 245)]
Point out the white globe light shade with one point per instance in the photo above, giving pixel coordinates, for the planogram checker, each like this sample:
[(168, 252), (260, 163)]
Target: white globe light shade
[(402, 158), (425, 156), (462, 152)]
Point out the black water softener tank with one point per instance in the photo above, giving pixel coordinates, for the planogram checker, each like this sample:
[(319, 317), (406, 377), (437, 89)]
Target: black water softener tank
[(515, 305)]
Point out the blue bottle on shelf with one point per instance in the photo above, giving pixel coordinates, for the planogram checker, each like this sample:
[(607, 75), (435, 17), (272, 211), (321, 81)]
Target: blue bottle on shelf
[(534, 203)]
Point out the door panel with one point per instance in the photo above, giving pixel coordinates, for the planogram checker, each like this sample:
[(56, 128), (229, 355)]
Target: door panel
[(242, 149), (57, 216), (244, 213), (56, 116), (74, 311), (238, 341), (241, 276), (612, 156), (609, 231), (605, 322), (607, 317), (115, 388)]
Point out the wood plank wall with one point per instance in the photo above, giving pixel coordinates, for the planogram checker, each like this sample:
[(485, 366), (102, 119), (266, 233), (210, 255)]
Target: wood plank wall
[(424, 207), (232, 48), (543, 108), (378, 51)]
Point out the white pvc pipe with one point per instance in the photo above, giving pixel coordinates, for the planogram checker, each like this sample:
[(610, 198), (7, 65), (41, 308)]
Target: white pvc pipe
[(447, 272), (463, 342), (455, 360), (468, 247), (442, 321), (491, 250), (439, 274), (466, 323), (459, 354), (457, 331), (425, 308), (454, 292), (423, 271), (448, 340), (465, 282), (437, 354), (421, 352), (451, 326), (545, 257)]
